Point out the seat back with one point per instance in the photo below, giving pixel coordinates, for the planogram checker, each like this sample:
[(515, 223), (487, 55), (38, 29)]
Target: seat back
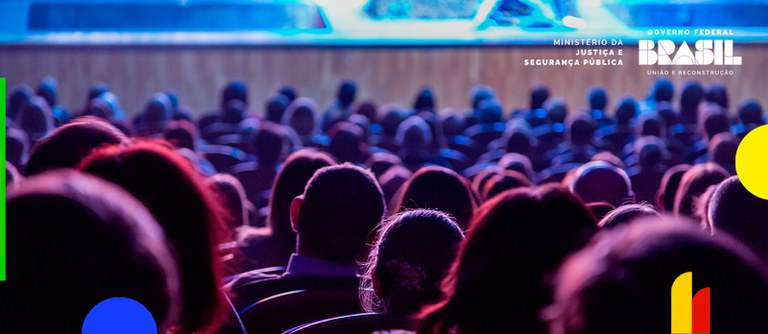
[(361, 323), (249, 293)]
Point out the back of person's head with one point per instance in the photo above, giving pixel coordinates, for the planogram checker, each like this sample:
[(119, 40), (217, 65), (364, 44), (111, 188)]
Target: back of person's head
[(437, 188), (301, 116), (650, 151), (597, 98), (598, 181), (670, 182), (289, 183), (693, 183), (722, 150), (608, 157), (233, 112), (182, 134), (393, 116), (274, 108), (663, 90), (380, 162), (516, 241), (453, 123), (18, 99), (581, 129), (346, 93), (425, 100), (624, 277), (501, 182), (75, 241), (16, 146), (413, 133), (175, 194), (557, 110), (409, 259), (480, 93), (48, 89), (518, 162), (269, 144), (346, 142), (651, 126), (234, 90), (289, 92), (230, 193), (35, 118), (713, 120), (67, 145), (490, 111), (626, 110), (736, 211), (690, 97), (369, 109), (158, 111), (750, 112), (334, 217), (626, 214), (718, 93), (539, 94)]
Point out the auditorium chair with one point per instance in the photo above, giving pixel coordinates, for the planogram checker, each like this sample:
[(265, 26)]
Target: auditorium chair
[(248, 293), (222, 157), (361, 323)]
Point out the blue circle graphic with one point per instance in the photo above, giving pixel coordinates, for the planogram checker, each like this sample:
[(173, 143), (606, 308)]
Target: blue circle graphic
[(119, 315)]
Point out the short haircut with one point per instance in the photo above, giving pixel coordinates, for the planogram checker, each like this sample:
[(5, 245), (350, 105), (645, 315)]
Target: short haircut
[(733, 209), (694, 182), (437, 188), (598, 181), (342, 205)]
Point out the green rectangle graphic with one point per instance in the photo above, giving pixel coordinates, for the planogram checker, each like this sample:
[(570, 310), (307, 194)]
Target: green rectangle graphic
[(2, 188)]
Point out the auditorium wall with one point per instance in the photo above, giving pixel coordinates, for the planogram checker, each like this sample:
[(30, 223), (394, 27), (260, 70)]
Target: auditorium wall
[(386, 74)]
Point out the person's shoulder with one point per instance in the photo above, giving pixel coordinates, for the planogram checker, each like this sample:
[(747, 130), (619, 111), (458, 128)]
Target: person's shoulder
[(249, 277)]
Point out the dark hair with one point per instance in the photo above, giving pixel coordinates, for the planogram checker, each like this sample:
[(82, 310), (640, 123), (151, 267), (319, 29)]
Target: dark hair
[(289, 92), (663, 90), (182, 134), (598, 181), (425, 100), (346, 142), (722, 150), (627, 213), (67, 145), (718, 93), (626, 110), (175, 194), (581, 129), (233, 112), (597, 98), (501, 182), (380, 162), (750, 112), (341, 206), (347, 93), (437, 188), (231, 196), (624, 277), (274, 108), (670, 182), (35, 118), (269, 144), (539, 94), (301, 116), (531, 231), (410, 257), (693, 183), (76, 241), (692, 94), (736, 211), (234, 90)]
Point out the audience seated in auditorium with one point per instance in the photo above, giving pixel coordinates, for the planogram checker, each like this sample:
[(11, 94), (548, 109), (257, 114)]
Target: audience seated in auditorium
[(75, 241), (624, 277)]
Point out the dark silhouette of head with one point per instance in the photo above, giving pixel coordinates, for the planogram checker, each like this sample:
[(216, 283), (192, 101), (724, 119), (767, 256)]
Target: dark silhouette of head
[(626, 214), (651, 126), (289, 92), (598, 181), (346, 94), (670, 182), (158, 112), (67, 145), (289, 183), (275, 108), (626, 111), (717, 93), (750, 112), (380, 162), (690, 97), (270, 144), (490, 111), (437, 188), (414, 133), (519, 163), (16, 147), (539, 94), (597, 98), (480, 93), (188, 212), (301, 116), (501, 182), (532, 230), (581, 129), (35, 119), (231, 196), (736, 211), (335, 216), (75, 241), (182, 134), (233, 112), (663, 90), (18, 99), (393, 116), (409, 259), (624, 277), (557, 110), (234, 90), (425, 100), (346, 142), (693, 183), (722, 151), (369, 109), (48, 90), (713, 120), (650, 151)]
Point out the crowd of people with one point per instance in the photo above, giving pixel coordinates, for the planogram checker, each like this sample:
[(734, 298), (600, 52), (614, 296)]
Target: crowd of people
[(365, 218)]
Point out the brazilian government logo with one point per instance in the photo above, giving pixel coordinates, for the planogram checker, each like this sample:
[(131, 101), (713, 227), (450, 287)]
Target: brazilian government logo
[(690, 313)]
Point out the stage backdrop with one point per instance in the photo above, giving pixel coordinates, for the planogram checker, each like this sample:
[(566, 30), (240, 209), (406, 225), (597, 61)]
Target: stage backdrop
[(385, 74)]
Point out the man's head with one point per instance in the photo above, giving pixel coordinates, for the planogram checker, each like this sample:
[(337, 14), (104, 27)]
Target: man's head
[(600, 181), (338, 210)]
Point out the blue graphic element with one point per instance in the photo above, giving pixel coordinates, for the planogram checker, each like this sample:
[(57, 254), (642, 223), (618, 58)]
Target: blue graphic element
[(119, 315)]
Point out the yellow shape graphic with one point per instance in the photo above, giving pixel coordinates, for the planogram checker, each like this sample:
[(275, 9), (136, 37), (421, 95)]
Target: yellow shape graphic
[(752, 161), (682, 311)]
